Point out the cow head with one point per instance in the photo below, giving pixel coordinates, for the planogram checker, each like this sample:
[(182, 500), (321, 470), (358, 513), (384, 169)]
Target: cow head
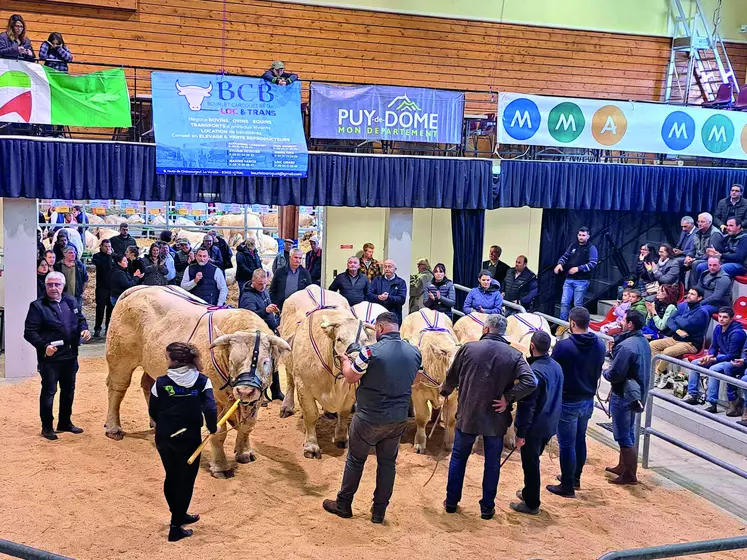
[(347, 334), (438, 350), (194, 95), (250, 380)]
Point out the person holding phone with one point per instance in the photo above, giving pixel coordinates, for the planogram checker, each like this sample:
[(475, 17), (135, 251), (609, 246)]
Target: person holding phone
[(55, 326)]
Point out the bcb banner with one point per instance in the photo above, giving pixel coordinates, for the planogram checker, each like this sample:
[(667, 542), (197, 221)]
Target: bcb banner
[(386, 113), (227, 125), (621, 125)]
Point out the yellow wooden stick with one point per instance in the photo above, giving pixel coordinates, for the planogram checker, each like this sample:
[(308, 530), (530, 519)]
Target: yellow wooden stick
[(221, 422)]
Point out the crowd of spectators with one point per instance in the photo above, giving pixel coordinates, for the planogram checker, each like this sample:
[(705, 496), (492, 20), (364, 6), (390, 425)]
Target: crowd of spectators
[(15, 44)]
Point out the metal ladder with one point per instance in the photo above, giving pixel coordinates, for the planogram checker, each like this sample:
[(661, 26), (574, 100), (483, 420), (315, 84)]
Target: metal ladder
[(701, 51)]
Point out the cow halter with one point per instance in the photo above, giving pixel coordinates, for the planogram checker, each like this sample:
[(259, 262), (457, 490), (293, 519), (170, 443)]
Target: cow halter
[(435, 328)]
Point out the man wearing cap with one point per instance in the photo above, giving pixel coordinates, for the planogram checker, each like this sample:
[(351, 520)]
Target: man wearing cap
[(278, 76), (283, 257), (182, 258), (314, 261), (213, 252), (74, 272), (418, 284)]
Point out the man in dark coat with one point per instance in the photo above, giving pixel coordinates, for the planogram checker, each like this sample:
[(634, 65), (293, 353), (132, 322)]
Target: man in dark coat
[(54, 326), (389, 290), (495, 265), (351, 284), (225, 251), (520, 284), (490, 376), (629, 375), (289, 279), (103, 263), (733, 206), (314, 261), (537, 417), (123, 240), (247, 261)]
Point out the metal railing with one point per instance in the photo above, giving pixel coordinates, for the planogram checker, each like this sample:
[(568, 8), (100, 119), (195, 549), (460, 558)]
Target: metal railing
[(647, 431), (22, 551), (679, 549)]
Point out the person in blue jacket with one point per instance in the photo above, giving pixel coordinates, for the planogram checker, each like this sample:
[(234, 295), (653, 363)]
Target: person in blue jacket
[(389, 290), (537, 417), (688, 326), (486, 298), (728, 339)]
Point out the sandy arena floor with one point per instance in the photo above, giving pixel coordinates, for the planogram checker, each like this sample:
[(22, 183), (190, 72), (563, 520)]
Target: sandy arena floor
[(89, 497)]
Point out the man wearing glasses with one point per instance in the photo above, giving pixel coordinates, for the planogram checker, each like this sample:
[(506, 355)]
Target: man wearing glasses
[(55, 325)]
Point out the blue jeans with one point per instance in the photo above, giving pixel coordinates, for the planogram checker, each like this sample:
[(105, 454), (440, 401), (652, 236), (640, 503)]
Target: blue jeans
[(730, 269), (574, 417), (459, 454), (572, 290), (714, 385), (623, 422), (114, 300)]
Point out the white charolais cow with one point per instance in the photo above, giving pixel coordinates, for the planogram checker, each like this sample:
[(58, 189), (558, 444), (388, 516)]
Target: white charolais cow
[(323, 336), (433, 334), (235, 234), (368, 311), (146, 319), (194, 95)]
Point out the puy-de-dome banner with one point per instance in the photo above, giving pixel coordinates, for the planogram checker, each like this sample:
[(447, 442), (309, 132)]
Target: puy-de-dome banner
[(36, 94), (618, 125), (209, 124), (386, 113)]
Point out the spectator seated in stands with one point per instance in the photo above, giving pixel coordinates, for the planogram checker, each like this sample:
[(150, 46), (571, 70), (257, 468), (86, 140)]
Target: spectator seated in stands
[(665, 271), (54, 53), (440, 294), (660, 311), (352, 284), (520, 284), (728, 341), (688, 325), (646, 255), (734, 206), (701, 243), (14, 43), (686, 243), (731, 249), (619, 312), (278, 76), (486, 298), (716, 286)]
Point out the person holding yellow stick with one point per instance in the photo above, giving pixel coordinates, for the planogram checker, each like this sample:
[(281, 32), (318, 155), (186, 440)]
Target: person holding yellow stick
[(178, 402)]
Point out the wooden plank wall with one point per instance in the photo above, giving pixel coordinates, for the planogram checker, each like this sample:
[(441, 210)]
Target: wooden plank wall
[(365, 47)]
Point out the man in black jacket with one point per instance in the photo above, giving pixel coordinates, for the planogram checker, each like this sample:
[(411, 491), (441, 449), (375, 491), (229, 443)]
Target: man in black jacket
[(289, 279), (225, 251), (54, 326), (520, 284), (182, 258), (352, 285), (490, 375), (537, 417), (734, 206), (576, 263), (495, 265), (123, 240), (247, 261), (103, 263), (314, 261)]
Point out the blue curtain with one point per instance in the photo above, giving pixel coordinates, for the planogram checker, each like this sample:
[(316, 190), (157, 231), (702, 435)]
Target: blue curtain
[(467, 231), (90, 170), (626, 187)]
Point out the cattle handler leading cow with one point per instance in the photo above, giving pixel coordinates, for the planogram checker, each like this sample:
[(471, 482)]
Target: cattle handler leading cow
[(390, 367)]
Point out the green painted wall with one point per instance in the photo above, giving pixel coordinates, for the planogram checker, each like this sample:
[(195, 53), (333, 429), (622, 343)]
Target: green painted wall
[(643, 17)]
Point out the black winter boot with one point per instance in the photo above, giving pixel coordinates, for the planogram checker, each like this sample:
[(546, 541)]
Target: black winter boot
[(275, 392), (177, 533)]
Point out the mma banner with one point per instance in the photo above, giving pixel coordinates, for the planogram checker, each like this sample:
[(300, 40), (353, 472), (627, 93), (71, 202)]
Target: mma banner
[(621, 125), (36, 94)]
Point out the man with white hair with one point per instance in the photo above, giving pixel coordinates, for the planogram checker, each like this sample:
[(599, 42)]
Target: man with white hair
[(491, 376), (702, 240), (289, 279), (314, 261), (685, 244), (54, 326), (389, 289)]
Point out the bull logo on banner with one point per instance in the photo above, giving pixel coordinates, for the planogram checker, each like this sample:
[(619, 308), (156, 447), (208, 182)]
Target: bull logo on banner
[(194, 95)]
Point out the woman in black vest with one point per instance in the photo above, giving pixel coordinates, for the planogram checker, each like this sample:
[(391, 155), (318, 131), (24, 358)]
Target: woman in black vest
[(154, 267), (178, 401), (440, 294)]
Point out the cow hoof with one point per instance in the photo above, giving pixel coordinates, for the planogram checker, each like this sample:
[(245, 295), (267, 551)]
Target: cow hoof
[(286, 412), (116, 435), (509, 444), (341, 444), (222, 474), (419, 448), (246, 457), (312, 452), (152, 425)]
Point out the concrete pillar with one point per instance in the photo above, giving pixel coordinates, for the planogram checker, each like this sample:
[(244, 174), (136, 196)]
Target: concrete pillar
[(398, 244), (19, 241)]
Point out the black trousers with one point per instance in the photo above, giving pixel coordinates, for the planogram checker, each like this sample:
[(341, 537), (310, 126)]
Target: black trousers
[(52, 373), (530, 463), (180, 477), (362, 436), (103, 305)]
